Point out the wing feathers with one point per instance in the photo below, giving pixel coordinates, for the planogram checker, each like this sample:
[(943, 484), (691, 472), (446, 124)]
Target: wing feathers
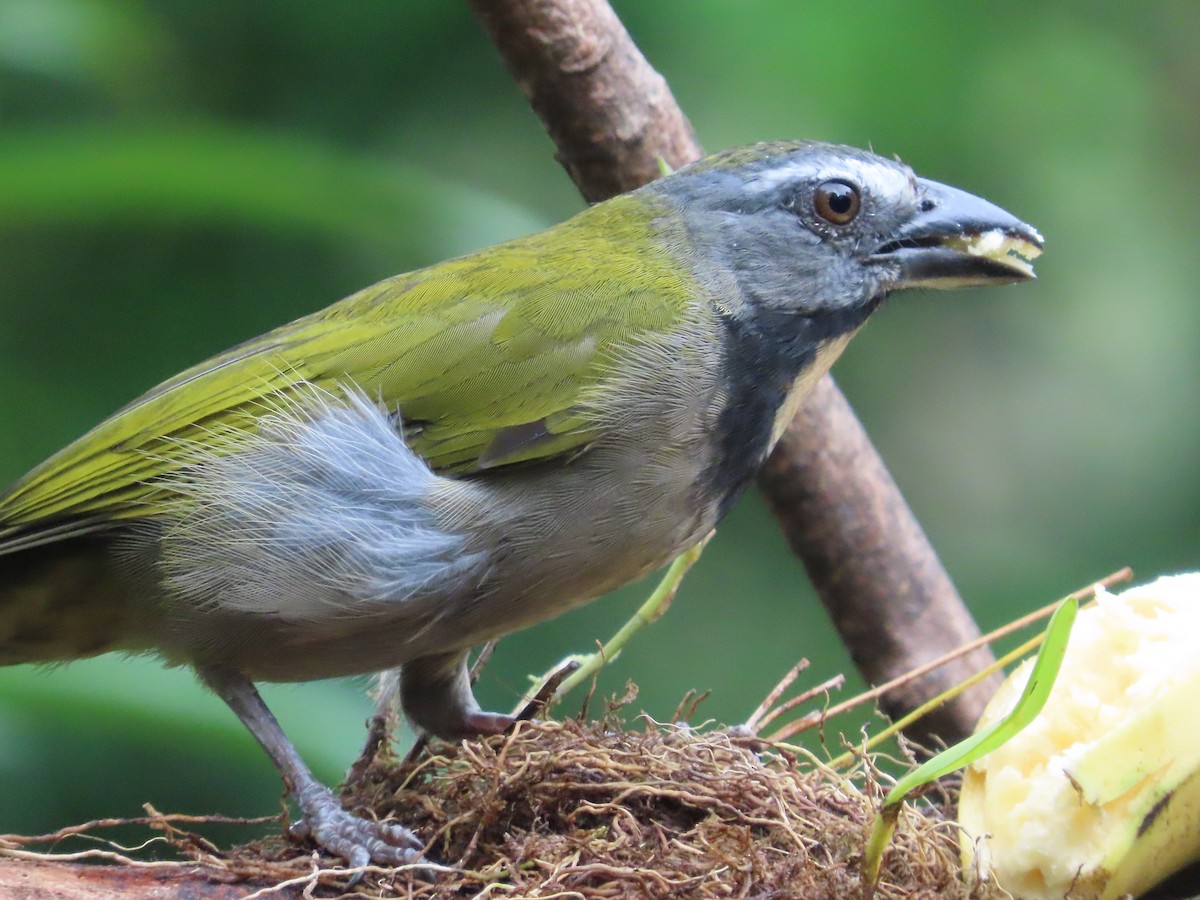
[(497, 359)]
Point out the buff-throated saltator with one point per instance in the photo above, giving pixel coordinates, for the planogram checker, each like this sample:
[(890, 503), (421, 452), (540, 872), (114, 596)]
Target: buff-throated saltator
[(460, 451)]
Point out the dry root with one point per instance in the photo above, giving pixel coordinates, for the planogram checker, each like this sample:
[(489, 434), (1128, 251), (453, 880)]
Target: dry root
[(564, 809)]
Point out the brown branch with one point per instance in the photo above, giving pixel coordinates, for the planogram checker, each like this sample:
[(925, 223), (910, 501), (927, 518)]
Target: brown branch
[(612, 118), (57, 880), (890, 598)]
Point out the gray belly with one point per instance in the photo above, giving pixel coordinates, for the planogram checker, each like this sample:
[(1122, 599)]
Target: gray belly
[(537, 568)]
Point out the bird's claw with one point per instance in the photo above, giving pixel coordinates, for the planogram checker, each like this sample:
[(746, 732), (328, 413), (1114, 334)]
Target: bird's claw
[(357, 840)]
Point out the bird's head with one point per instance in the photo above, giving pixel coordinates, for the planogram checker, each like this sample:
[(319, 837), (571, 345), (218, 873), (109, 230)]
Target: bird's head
[(811, 228)]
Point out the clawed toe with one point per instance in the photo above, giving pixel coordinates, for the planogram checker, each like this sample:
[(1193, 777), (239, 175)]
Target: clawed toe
[(358, 840)]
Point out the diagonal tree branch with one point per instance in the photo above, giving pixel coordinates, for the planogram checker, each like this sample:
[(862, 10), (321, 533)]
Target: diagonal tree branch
[(612, 117)]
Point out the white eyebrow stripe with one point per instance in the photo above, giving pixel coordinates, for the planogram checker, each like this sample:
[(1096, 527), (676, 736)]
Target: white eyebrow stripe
[(886, 180), (772, 178)]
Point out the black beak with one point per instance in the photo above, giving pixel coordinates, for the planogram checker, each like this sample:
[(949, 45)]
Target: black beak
[(959, 239)]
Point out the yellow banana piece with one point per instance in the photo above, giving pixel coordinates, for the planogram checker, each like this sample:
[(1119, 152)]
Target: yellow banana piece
[(1099, 797)]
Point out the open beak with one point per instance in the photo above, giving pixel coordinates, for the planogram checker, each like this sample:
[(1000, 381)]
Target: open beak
[(959, 239)]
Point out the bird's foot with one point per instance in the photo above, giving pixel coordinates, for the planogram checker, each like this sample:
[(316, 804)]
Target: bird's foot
[(357, 840), (482, 724)]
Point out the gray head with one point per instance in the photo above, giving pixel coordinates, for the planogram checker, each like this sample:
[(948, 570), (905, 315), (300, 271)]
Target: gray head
[(811, 227), (798, 243)]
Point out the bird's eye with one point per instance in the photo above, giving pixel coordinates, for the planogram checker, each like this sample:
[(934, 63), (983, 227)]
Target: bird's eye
[(837, 202)]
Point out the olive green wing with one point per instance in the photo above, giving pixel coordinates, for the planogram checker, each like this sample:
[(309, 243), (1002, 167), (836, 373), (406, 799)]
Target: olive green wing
[(488, 359)]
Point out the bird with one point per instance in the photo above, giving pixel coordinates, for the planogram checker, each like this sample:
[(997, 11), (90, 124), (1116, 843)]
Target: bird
[(457, 452)]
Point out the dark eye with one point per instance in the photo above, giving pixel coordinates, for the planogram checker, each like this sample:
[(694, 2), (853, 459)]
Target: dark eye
[(837, 202)]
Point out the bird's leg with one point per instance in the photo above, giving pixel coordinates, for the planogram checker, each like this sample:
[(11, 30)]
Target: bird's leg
[(381, 724), (359, 841), (435, 693), (467, 721)]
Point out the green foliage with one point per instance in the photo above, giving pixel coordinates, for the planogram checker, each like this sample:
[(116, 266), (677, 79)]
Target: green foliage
[(1034, 696), (176, 177)]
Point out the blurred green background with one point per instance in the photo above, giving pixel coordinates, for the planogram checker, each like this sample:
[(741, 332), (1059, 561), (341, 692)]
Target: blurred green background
[(178, 176)]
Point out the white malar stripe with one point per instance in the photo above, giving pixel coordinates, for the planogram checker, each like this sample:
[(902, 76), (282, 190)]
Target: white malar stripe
[(827, 355)]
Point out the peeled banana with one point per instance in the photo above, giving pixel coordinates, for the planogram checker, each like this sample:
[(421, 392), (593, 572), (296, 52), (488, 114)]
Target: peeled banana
[(1099, 796)]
